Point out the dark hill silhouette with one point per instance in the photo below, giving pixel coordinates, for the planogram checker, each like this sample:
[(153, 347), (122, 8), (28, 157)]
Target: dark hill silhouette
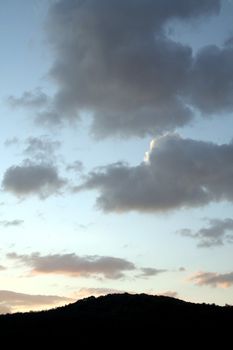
[(118, 312)]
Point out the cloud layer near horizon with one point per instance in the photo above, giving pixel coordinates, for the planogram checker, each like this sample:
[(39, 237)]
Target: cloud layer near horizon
[(177, 172), (12, 301), (213, 279), (87, 292), (113, 59)]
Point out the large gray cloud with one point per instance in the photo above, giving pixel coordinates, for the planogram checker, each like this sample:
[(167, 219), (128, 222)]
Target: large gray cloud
[(12, 301), (213, 279), (32, 179), (113, 59), (177, 173), (210, 85), (76, 266), (217, 233)]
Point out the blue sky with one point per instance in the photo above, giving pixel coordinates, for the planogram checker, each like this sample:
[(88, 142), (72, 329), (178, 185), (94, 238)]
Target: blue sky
[(85, 88)]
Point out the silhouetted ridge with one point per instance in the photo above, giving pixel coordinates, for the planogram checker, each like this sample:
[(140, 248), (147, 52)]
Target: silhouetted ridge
[(119, 312)]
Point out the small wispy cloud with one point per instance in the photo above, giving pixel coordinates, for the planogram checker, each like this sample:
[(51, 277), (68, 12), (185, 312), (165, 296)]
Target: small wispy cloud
[(217, 233), (149, 272), (29, 99), (8, 223), (76, 166), (11, 141)]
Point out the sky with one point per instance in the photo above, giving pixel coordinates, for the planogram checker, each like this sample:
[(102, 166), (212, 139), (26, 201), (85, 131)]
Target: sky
[(116, 150)]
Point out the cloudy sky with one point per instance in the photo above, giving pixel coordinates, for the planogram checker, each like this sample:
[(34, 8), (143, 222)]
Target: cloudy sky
[(116, 150)]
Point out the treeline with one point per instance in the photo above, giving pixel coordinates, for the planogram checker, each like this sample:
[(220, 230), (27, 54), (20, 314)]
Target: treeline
[(117, 312)]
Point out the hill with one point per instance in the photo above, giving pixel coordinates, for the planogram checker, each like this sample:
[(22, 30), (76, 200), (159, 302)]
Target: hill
[(118, 312)]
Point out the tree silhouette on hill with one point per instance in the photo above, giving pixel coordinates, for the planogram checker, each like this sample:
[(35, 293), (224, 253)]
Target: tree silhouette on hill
[(120, 312)]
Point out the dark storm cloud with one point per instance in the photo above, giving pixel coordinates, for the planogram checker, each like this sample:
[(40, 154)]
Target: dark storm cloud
[(8, 223), (217, 233), (32, 179), (11, 300), (113, 59), (177, 173), (76, 266), (213, 279)]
